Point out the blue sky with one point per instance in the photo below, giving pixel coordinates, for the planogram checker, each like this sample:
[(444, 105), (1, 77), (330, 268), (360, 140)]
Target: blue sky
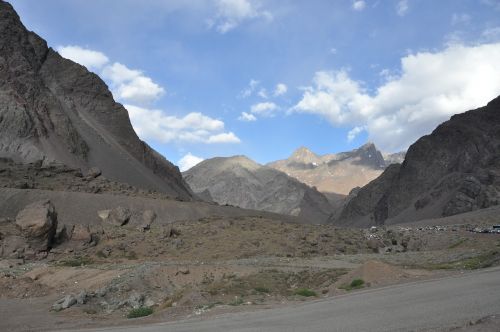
[(261, 78)]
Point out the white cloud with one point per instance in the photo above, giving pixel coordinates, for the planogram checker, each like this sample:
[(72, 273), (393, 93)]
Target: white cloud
[(264, 109), (248, 91), (280, 89), (188, 161), (493, 3), (430, 88), (132, 85), (354, 132), (359, 5), (402, 7), (91, 59), (231, 13), (461, 18), (333, 50), (247, 117), (491, 34), (224, 138), (262, 93), (153, 124)]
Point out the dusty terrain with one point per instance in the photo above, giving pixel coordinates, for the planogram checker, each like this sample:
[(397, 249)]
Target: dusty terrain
[(215, 265)]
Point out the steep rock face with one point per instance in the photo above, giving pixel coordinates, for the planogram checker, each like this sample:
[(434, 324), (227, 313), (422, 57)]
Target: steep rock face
[(455, 169), (241, 182), (53, 109), (335, 173)]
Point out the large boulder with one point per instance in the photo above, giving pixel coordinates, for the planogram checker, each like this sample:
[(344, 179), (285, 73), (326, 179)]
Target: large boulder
[(118, 216), (38, 224)]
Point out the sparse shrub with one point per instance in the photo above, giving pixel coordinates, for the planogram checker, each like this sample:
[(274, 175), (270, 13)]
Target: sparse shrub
[(305, 292), (237, 301), (262, 290), (357, 283), (139, 312)]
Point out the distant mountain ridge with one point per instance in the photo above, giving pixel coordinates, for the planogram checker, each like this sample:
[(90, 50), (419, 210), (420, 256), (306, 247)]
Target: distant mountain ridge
[(242, 182), (55, 110), (453, 170), (337, 172)]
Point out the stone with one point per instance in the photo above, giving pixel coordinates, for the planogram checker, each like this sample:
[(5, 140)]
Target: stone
[(170, 231), (64, 303), (93, 172), (38, 223), (82, 297), (104, 214), (148, 217), (118, 216)]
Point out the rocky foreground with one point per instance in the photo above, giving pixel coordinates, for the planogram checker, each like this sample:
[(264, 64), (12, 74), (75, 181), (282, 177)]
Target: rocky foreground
[(99, 274)]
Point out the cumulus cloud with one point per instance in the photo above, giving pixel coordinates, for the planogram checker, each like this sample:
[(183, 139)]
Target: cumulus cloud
[(232, 13), (91, 59), (247, 117), (262, 93), (229, 137), (250, 89), (151, 124), (280, 89), (359, 5), (188, 161), (132, 85), (430, 88), (354, 132), (264, 109), (402, 7)]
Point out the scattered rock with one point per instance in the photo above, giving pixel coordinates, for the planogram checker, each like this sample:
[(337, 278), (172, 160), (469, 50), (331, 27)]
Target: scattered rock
[(170, 231), (82, 297), (94, 172), (182, 271), (148, 217), (103, 214), (64, 303), (38, 223), (118, 216)]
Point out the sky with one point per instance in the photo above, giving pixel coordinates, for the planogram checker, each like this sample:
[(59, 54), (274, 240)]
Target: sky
[(206, 78)]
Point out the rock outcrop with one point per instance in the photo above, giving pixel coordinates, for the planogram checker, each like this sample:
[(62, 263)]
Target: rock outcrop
[(52, 109), (453, 170), (337, 173), (241, 182)]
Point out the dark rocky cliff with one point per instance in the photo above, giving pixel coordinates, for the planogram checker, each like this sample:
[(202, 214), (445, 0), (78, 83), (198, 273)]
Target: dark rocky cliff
[(453, 170), (53, 109)]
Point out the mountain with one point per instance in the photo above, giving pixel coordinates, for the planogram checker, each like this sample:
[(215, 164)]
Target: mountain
[(242, 182), (55, 110), (336, 173), (453, 170)]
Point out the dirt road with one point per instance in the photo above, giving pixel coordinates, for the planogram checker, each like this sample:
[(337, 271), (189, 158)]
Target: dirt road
[(428, 305)]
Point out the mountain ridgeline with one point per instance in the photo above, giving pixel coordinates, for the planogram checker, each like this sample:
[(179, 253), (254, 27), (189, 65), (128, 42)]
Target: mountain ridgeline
[(54, 110), (242, 182), (453, 170), (337, 173)]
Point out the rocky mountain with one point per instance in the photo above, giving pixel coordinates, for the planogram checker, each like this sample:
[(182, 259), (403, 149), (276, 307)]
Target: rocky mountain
[(453, 170), (242, 182), (336, 173), (55, 110)]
